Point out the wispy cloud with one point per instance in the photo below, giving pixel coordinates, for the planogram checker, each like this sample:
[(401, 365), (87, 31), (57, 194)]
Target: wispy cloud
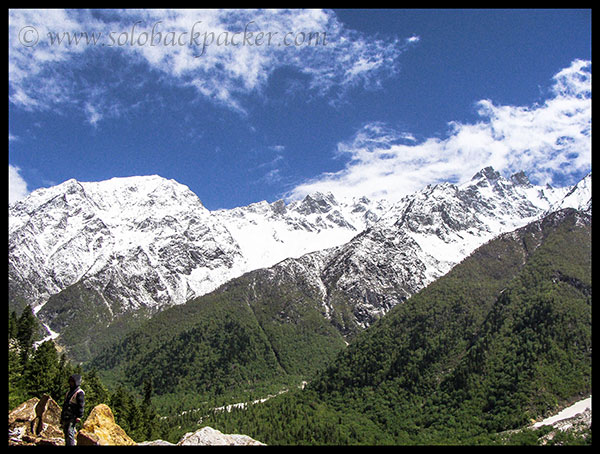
[(271, 169), (546, 141), (92, 114), (223, 54), (17, 187), (34, 76)]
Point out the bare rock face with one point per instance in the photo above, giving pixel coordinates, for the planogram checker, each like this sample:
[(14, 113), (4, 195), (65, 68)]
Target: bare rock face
[(207, 436), (100, 429), (35, 422)]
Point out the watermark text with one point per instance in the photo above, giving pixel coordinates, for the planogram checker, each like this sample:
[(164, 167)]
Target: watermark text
[(197, 37)]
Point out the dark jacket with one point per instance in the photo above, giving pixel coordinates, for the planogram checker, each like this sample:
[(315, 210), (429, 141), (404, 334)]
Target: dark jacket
[(74, 400)]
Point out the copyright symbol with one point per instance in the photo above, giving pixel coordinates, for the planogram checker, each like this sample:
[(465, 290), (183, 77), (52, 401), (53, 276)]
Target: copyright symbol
[(28, 36)]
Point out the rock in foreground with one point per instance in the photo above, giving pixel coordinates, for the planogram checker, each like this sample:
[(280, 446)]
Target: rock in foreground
[(101, 429), (35, 422), (207, 436)]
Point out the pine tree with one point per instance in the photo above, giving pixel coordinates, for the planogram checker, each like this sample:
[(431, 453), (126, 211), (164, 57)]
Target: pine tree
[(149, 415), (26, 326), (60, 385), (126, 411), (12, 325), (118, 404), (41, 371), (16, 393)]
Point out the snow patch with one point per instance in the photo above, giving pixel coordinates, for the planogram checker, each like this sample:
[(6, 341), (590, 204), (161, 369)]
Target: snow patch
[(569, 412)]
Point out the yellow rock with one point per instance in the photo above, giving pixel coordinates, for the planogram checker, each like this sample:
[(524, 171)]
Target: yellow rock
[(100, 428)]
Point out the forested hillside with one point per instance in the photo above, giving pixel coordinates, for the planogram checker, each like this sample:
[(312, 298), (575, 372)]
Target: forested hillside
[(251, 337), (503, 338)]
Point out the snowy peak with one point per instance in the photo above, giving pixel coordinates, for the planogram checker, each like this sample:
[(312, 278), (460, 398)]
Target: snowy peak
[(131, 196), (147, 192), (269, 233), (488, 173), (490, 178), (316, 203), (579, 197), (520, 179)]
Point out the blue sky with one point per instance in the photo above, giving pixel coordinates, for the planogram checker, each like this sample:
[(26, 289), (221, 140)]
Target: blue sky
[(249, 110)]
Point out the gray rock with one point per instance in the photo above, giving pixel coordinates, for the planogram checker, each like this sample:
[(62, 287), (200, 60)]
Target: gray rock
[(207, 436)]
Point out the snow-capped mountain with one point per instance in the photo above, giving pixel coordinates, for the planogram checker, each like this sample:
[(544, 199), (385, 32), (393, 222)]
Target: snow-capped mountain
[(149, 239), (149, 243), (422, 237), (580, 197)]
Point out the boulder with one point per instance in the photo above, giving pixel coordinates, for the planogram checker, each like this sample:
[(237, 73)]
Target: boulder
[(155, 443), (20, 422), (24, 412), (35, 422), (207, 436), (100, 428), (47, 422)]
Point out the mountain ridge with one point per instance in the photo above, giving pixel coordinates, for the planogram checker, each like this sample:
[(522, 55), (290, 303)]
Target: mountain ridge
[(145, 243)]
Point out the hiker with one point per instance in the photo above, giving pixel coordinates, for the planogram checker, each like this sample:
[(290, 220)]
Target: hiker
[(72, 409)]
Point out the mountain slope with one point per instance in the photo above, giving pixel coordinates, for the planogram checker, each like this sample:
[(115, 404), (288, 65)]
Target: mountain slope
[(302, 320), (247, 334), (420, 239), (503, 337), (95, 258)]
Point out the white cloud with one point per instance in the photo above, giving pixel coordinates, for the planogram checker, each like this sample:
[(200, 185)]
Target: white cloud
[(17, 187), (35, 64), (92, 114), (576, 80), (243, 48), (546, 141)]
